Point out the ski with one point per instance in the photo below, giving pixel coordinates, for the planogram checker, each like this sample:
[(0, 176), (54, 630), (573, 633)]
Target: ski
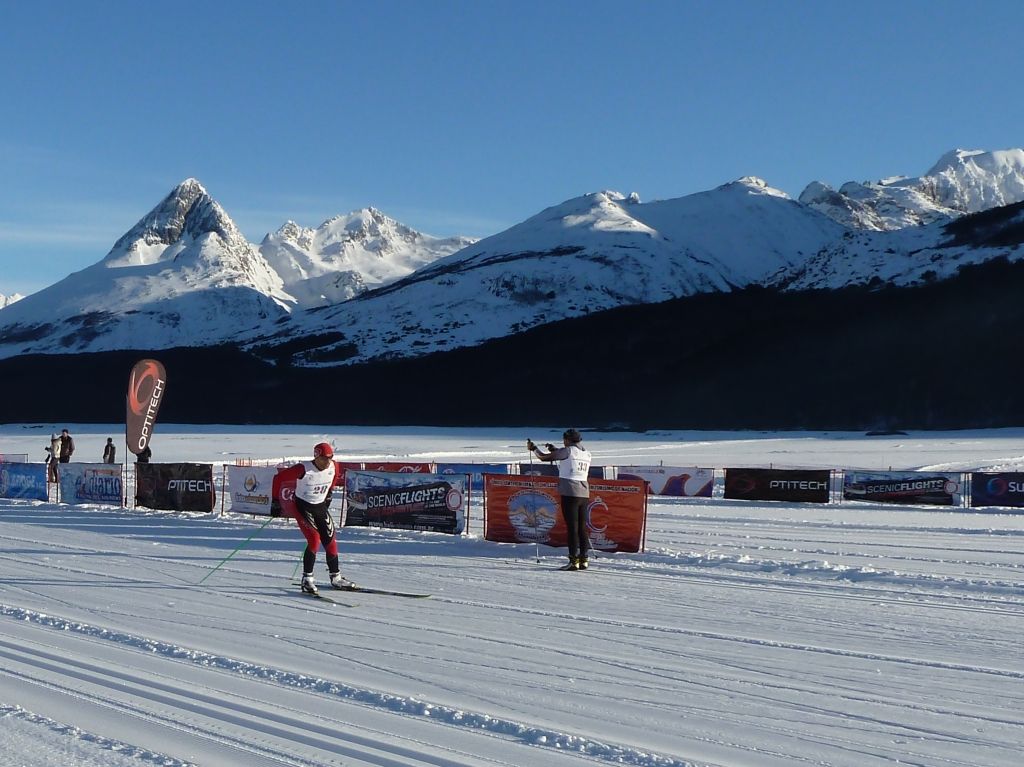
[(385, 592), (326, 598)]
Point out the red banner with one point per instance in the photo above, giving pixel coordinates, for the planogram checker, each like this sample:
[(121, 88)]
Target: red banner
[(527, 509)]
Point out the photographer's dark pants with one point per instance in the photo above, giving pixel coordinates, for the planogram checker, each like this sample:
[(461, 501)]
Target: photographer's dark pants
[(574, 511)]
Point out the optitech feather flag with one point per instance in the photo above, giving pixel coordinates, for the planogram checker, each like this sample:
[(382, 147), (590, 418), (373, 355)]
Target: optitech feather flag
[(146, 387)]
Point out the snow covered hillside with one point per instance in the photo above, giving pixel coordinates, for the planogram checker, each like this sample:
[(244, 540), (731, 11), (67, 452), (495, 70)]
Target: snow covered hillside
[(767, 634), (590, 253)]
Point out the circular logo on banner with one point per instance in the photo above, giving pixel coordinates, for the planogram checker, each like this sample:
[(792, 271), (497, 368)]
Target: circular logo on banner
[(951, 487), (251, 483), (596, 505), (996, 487), (453, 500)]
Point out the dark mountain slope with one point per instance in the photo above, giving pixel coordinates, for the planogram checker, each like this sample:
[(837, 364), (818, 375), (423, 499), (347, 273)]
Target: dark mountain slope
[(943, 355)]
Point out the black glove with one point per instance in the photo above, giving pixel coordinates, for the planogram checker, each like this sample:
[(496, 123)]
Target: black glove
[(530, 446)]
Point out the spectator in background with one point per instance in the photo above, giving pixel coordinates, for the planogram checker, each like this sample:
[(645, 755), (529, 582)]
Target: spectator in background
[(51, 465), (573, 470), (54, 454), (109, 450), (144, 456), (67, 446)]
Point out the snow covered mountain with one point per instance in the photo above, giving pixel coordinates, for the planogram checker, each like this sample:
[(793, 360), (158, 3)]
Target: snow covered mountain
[(8, 300), (346, 255), (362, 287), (962, 181), (183, 275), (590, 253)]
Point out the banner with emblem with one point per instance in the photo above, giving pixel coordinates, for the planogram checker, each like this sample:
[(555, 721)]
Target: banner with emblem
[(249, 489), (1003, 488), (527, 509)]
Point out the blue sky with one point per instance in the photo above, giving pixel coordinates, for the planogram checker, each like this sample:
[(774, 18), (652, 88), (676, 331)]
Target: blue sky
[(468, 117)]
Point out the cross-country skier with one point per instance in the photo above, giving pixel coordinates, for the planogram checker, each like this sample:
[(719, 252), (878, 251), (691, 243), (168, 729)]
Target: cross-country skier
[(309, 504), (573, 470)]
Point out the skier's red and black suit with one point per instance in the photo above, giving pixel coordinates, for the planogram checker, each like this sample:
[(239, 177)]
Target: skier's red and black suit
[(304, 493)]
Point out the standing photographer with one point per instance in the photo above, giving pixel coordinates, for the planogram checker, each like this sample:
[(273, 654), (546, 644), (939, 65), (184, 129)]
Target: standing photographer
[(573, 470)]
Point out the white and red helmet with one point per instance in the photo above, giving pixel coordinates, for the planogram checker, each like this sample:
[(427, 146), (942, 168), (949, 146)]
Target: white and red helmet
[(323, 450)]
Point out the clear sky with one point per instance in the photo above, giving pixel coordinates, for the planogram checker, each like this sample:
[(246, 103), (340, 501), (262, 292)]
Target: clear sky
[(466, 117)]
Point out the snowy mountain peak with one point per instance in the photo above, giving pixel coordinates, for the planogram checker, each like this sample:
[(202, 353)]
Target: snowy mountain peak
[(182, 217), (8, 300), (962, 181), (348, 254), (754, 184)]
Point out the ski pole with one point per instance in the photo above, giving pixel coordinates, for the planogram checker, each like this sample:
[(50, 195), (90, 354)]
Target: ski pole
[(237, 549), (536, 544)]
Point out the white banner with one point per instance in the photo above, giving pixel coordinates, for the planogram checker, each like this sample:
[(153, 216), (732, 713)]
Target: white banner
[(92, 483), (249, 488), (672, 480)]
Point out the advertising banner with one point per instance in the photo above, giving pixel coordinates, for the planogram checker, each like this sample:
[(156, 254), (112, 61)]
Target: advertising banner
[(146, 386), (91, 483), (408, 501), (538, 469), (249, 489), (175, 486), (935, 488), (997, 489), (550, 469), (672, 480), (799, 485), (24, 480), (475, 471), (527, 509), (408, 467)]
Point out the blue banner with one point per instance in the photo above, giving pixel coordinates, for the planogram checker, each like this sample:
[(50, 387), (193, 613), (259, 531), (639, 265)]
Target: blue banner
[(23, 480), (91, 483), (997, 489), (475, 471)]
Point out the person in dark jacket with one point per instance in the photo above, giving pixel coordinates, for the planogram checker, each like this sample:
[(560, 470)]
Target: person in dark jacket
[(144, 456), (67, 446), (109, 450)]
